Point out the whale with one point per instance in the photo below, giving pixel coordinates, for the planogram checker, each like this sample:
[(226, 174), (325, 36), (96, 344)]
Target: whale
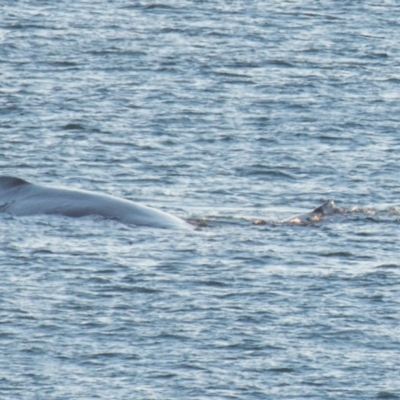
[(21, 198), (318, 214)]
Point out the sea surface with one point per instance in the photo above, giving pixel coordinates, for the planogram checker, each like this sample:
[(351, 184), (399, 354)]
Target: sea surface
[(222, 112)]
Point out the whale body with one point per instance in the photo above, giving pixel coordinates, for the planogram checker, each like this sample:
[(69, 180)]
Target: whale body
[(324, 210), (21, 198)]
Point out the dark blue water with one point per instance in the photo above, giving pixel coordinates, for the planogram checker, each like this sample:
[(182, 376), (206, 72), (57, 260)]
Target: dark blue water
[(220, 112)]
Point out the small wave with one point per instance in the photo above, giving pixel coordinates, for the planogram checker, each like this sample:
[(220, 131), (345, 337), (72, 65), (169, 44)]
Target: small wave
[(73, 127), (259, 169), (344, 254), (388, 266)]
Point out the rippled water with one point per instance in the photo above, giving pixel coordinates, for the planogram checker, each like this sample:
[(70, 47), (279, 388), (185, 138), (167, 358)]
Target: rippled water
[(220, 112)]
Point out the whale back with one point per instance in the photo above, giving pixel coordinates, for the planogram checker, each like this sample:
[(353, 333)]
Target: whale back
[(318, 214), (9, 182), (21, 198), (327, 208)]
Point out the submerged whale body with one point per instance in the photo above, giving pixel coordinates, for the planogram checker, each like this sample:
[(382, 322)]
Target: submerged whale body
[(21, 198), (324, 210), (318, 214)]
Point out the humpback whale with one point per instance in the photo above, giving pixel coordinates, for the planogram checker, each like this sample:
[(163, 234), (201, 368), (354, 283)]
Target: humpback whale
[(21, 198)]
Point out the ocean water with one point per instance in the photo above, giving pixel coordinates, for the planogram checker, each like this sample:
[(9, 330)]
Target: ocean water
[(220, 112)]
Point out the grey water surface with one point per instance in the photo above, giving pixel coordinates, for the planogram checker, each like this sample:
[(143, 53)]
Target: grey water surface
[(221, 112)]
